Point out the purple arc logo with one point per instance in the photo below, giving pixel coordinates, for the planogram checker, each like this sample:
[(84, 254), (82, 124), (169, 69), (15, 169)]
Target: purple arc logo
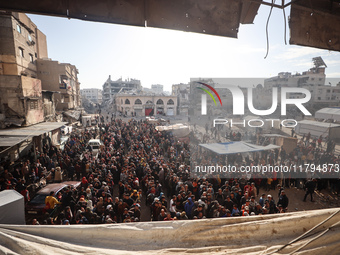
[(204, 97)]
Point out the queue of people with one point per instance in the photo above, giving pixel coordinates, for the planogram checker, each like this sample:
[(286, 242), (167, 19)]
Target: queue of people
[(139, 168)]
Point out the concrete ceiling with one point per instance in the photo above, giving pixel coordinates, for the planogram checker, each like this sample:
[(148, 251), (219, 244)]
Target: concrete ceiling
[(314, 23), (214, 17)]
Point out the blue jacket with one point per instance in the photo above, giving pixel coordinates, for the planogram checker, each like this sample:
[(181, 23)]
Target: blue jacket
[(235, 212), (188, 207)]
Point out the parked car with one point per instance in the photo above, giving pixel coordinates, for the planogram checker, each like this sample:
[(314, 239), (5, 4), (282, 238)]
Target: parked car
[(37, 204)]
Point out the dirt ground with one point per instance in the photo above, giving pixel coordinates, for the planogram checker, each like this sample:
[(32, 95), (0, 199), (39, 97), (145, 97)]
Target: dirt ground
[(322, 200)]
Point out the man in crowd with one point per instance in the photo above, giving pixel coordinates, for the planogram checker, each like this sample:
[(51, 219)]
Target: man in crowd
[(310, 188)]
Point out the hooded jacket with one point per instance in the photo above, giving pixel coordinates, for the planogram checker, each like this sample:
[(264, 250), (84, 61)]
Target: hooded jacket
[(188, 206)]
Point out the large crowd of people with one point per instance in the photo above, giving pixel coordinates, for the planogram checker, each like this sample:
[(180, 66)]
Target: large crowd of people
[(138, 168)]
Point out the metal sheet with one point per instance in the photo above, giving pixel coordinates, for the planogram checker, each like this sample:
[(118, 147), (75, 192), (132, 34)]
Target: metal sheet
[(49, 7), (33, 130), (213, 17), (236, 147), (249, 11), (129, 12), (314, 26), (9, 141)]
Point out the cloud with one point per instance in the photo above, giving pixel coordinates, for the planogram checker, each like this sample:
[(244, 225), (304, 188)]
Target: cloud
[(246, 49), (300, 52), (332, 62), (333, 75), (307, 64)]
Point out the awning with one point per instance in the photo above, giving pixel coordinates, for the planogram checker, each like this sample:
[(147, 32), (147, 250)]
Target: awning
[(9, 141), (317, 129), (34, 130), (14, 136), (273, 135), (277, 135), (317, 124), (328, 114), (236, 147)]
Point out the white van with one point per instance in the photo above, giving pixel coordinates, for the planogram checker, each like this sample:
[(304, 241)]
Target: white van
[(96, 145)]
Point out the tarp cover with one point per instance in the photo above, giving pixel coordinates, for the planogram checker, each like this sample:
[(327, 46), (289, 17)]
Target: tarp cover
[(236, 147), (178, 130), (236, 235), (33, 130), (315, 128), (12, 207), (328, 114), (172, 127)]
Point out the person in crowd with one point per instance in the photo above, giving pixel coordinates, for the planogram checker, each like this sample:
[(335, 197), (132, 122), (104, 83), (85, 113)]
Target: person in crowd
[(188, 206), (272, 205), (51, 202), (58, 174), (172, 207), (310, 188), (262, 199), (35, 222), (283, 201)]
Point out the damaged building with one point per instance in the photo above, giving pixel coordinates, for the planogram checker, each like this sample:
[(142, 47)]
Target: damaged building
[(32, 86), (21, 44), (21, 101), (61, 78)]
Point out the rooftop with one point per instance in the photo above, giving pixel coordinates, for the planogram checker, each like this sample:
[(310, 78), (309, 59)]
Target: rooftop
[(138, 93)]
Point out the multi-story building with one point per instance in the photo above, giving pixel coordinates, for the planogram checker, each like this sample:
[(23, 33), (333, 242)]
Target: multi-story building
[(21, 43), (312, 77), (157, 88), (110, 88), (182, 92), (61, 78), (95, 95), (145, 104), (313, 80), (20, 101), (322, 95)]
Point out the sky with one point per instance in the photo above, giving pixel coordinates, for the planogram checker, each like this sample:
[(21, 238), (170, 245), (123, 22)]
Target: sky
[(161, 56)]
